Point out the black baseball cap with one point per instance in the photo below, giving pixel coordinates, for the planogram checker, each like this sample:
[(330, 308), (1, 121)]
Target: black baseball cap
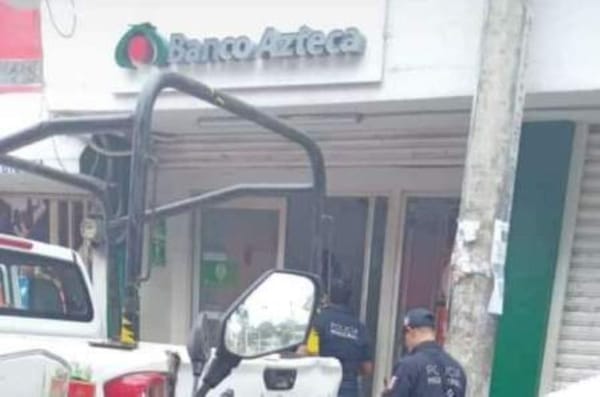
[(419, 318)]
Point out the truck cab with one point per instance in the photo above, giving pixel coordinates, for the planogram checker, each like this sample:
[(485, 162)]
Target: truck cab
[(45, 290)]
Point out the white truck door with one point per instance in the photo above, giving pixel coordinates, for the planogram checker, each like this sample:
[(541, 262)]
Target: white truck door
[(295, 377)]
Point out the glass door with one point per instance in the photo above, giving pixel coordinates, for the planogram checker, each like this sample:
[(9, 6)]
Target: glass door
[(429, 230), (237, 244)]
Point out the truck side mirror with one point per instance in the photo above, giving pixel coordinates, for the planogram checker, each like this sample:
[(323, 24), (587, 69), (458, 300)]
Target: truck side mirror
[(273, 315), (198, 345)]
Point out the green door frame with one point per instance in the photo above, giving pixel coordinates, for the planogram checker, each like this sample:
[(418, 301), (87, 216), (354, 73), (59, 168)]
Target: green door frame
[(536, 224)]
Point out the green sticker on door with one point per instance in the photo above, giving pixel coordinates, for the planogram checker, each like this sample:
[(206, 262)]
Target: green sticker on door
[(158, 244), (217, 270)]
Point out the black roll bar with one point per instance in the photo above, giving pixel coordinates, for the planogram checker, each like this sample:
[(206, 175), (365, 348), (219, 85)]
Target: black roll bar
[(93, 185), (141, 122), (216, 196), (70, 126), (140, 159)]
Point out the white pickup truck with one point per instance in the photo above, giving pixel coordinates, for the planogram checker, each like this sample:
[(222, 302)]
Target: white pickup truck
[(50, 325), (46, 305)]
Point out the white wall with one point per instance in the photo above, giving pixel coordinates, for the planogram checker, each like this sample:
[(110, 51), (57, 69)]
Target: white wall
[(166, 298), (103, 23), (431, 49), (19, 111)]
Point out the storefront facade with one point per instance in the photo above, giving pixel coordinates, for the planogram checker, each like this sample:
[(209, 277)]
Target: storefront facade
[(387, 96)]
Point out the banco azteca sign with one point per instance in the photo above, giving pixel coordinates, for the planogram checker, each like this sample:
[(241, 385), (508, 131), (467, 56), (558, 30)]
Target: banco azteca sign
[(143, 45)]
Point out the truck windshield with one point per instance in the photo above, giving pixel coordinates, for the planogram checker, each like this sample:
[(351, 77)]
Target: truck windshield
[(41, 287)]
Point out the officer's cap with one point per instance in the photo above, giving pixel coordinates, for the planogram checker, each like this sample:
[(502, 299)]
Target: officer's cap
[(419, 318)]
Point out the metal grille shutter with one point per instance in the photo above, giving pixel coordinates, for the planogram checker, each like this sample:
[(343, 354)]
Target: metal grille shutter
[(578, 355), (341, 148)]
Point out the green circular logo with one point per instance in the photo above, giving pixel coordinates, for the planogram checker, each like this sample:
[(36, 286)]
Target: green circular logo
[(141, 45)]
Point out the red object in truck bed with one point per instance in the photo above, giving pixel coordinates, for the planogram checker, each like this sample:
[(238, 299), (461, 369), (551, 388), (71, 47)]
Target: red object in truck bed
[(81, 389)]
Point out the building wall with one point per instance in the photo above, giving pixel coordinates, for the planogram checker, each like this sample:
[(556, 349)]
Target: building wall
[(19, 110), (22, 102), (20, 50), (430, 52)]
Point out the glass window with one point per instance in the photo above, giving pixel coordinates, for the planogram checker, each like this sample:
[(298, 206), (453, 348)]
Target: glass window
[(238, 246), (40, 287)]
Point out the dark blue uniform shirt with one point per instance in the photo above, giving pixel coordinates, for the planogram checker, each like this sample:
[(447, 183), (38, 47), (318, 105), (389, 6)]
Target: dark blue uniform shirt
[(342, 336), (428, 371)]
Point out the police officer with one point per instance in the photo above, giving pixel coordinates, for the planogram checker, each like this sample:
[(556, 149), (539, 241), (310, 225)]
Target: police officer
[(427, 370), (342, 336)]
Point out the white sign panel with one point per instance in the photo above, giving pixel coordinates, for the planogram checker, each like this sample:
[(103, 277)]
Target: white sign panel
[(498, 259), (225, 43)]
